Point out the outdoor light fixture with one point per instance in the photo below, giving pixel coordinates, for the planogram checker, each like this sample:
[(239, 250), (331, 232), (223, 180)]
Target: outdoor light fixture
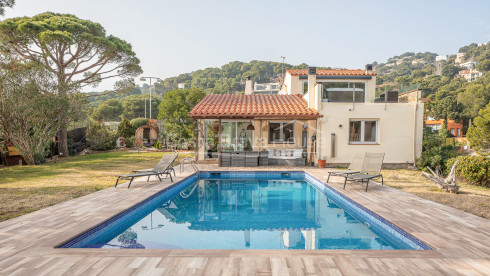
[(250, 126)]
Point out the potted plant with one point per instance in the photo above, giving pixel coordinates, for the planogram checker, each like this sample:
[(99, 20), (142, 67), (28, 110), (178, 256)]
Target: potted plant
[(322, 163)]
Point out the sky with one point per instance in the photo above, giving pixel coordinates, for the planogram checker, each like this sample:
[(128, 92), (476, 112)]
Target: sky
[(180, 36)]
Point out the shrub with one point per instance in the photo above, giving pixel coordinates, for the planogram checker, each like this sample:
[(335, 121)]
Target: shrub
[(125, 129), (137, 122), (434, 152), (100, 137), (474, 169), (157, 145), (130, 142)]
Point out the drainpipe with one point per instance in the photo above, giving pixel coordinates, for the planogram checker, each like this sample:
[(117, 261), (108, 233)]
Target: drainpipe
[(415, 128)]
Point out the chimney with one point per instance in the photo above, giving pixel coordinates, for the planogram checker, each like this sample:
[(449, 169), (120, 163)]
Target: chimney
[(249, 84), (311, 86), (369, 68)]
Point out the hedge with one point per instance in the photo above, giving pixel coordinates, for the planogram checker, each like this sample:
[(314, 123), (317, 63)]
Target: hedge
[(474, 169)]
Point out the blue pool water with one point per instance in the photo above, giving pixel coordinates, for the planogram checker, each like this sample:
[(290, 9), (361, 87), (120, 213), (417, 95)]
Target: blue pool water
[(252, 210)]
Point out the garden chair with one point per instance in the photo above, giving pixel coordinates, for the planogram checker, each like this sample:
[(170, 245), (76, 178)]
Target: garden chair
[(354, 167), (371, 168), (164, 166)]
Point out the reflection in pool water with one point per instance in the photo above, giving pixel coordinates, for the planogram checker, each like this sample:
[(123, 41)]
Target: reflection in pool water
[(248, 214)]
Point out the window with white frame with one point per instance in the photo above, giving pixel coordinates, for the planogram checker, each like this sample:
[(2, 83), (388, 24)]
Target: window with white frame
[(281, 132), (363, 132)]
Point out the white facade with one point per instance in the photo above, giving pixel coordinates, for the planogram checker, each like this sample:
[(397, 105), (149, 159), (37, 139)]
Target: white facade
[(470, 75), (395, 128), (459, 58), (440, 58)]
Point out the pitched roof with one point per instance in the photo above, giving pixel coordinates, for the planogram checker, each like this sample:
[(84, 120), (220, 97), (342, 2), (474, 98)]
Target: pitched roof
[(330, 72), (253, 106)]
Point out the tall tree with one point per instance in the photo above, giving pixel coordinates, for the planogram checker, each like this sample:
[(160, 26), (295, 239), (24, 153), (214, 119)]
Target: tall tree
[(479, 133), (28, 116), (110, 110), (174, 109), (77, 52), (134, 106), (446, 108), (5, 3)]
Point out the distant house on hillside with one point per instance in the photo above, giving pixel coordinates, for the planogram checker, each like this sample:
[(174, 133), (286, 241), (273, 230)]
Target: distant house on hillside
[(441, 58), (470, 74), (400, 61), (469, 65), (261, 88), (418, 61), (455, 128), (459, 58)]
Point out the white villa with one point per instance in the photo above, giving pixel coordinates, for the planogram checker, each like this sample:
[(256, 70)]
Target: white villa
[(318, 114)]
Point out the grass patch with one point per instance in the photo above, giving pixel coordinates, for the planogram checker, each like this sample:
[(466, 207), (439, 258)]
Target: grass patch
[(24, 189), (471, 199)]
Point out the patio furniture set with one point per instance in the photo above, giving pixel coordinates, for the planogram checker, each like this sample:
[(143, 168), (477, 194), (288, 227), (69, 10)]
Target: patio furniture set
[(288, 157)]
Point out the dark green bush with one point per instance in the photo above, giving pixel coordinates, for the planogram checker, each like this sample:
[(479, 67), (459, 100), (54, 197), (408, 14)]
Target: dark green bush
[(474, 169), (125, 129), (100, 137), (434, 152), (137, 122), (130, 142)]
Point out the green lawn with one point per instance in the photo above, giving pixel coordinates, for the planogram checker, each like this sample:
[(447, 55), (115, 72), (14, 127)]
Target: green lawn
[(25, 189)]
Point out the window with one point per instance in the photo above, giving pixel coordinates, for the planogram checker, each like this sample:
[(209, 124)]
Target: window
[(343, 92), (453, 132), (459, 132), (281, 132), (364, 132), (305, 87)]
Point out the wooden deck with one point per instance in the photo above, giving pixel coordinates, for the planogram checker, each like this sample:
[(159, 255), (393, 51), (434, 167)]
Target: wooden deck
[(461, 240)]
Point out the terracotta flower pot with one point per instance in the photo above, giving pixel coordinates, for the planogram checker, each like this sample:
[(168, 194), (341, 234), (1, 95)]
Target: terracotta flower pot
[(322, 163)]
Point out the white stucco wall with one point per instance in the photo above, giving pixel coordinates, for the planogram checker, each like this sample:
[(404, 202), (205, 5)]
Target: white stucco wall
[(399, 126)]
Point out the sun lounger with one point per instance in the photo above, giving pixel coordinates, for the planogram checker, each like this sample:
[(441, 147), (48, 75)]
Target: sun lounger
[(164, 166), (354, 167), (371, 168)]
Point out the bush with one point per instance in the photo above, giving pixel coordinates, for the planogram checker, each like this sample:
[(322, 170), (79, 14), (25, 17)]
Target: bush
[(157, 145), (125, 129), (474, 169), (434, 152), (100, 137), (130, 142), (139, 122)]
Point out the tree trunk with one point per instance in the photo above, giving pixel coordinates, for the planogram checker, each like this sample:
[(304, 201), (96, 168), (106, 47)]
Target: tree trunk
[(63, 138), (63, 120)]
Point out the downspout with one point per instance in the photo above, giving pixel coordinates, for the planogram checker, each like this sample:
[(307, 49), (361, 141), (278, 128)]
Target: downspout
[(415, 127)]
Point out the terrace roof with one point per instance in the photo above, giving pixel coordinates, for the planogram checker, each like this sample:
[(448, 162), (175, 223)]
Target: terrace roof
[(253, 106)]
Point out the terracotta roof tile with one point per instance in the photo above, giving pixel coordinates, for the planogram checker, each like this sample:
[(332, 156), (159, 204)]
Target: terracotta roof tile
[(330, 72), (253, 106)]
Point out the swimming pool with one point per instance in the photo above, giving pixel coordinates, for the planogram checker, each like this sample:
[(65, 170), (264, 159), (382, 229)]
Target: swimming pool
[(248, 210)]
